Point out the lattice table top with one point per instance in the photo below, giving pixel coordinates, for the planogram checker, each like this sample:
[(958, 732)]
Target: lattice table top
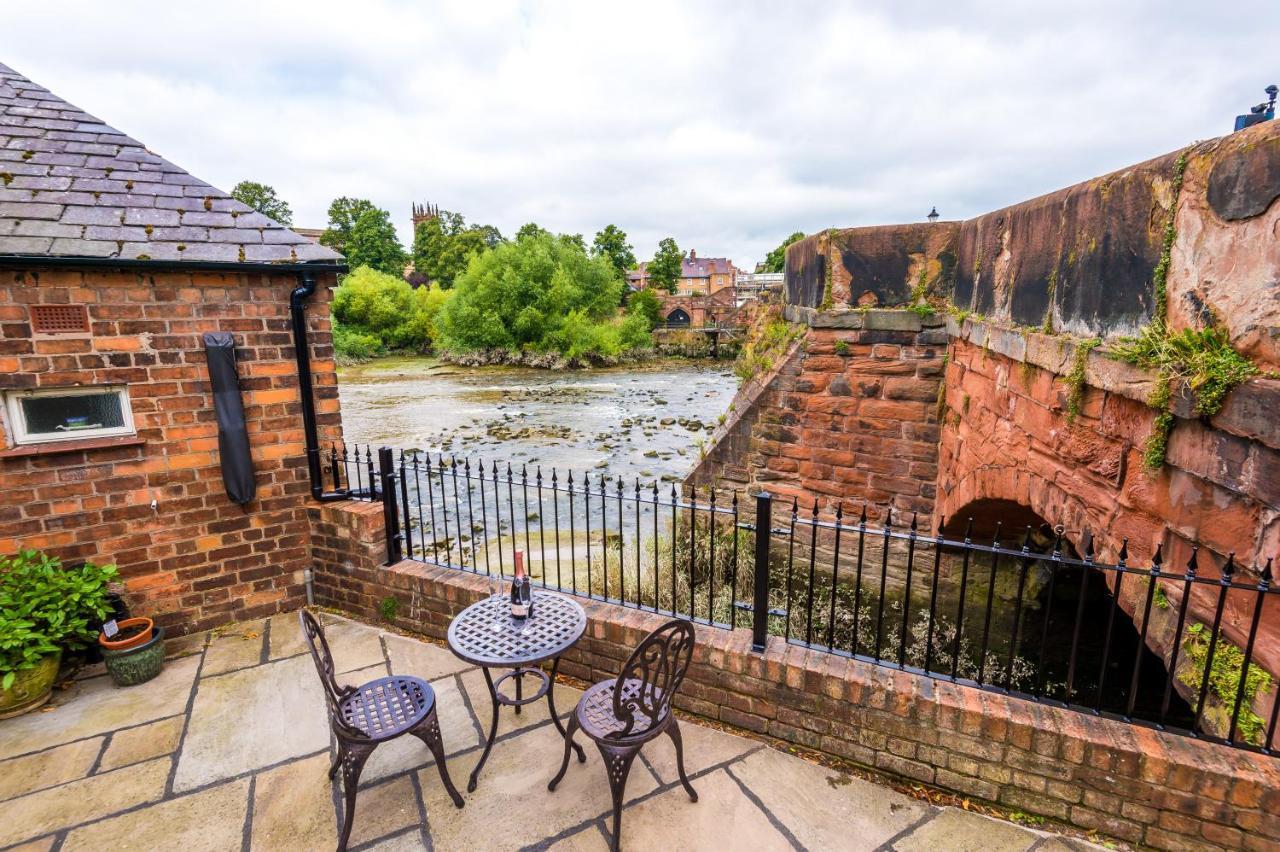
[(486, 634)]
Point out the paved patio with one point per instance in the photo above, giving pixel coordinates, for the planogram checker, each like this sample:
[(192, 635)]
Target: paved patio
[(229, 750)]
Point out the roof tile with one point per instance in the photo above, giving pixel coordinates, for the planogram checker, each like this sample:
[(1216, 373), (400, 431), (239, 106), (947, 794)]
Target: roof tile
[(77, 187)]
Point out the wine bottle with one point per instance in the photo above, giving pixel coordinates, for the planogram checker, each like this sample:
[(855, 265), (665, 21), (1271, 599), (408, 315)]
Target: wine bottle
[(526, 595), (519, 593)]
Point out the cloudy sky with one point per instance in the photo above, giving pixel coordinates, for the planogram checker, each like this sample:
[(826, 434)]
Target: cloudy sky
[(726, 125)]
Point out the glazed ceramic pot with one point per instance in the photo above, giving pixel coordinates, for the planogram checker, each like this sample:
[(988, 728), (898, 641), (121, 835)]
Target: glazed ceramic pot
[(133, 632), (138, 664), (32, 687)]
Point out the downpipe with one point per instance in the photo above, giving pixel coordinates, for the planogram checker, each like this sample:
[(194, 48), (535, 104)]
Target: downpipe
[(302, 353)]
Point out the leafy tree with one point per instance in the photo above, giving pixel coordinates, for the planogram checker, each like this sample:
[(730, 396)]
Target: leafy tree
[(375, 312), (776, 260), (492, 236), (344, 212), (443, 246), (373, 243), (664, 269), (539, 294), (645, 304), (530, 229), (575, 240), (612, 243), (263, 198)]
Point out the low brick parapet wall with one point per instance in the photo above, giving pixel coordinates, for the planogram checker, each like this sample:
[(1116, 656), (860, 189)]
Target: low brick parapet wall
[(1124, 781)]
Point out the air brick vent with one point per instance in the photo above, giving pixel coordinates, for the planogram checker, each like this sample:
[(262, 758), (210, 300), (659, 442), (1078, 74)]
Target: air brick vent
[(59, 319)]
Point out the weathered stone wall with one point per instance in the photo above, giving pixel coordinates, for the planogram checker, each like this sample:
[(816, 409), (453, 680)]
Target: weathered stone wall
[(1124, 781), (848, 417), (197, 560), (1006, 435), (1083, 259)]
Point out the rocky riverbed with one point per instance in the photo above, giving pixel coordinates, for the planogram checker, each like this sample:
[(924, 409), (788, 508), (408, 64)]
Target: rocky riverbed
[(644, 420)]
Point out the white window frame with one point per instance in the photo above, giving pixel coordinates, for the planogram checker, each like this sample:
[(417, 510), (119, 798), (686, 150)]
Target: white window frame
[(18, 421)]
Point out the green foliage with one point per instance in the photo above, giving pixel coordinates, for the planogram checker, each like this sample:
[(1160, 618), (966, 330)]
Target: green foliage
[(373, 243), (664, 269), (531, 229), (343, 214), (375, 313), (1159, 598), (766, 341), (644, 303), (1224, 682), (1075, 379), (45, 608), (1160, 276), (388, 607), (263, 198), (841, 347), (540, 294), (1203, 361), (443, 246), (828, 284), (776, 260), (612, 244)]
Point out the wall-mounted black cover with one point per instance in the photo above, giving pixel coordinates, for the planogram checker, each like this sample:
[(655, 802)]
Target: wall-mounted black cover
[(233, 440)]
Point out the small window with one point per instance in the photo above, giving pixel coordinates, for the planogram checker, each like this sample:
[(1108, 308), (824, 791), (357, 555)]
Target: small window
[(64, 414)]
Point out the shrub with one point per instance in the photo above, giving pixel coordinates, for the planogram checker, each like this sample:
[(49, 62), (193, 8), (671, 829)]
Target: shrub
[(45, 608), (375, 313)]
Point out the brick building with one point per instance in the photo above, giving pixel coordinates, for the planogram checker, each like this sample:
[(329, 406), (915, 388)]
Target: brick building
[(113, 265), (699, 276)]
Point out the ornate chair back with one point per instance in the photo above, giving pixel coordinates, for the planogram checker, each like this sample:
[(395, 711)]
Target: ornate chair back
[(651, 676), (323, 658)]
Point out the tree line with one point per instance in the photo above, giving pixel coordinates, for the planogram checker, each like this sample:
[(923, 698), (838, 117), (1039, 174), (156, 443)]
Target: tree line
[(463, 289)]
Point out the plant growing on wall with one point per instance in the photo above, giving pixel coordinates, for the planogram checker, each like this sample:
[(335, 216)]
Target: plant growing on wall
[(1202, 360)]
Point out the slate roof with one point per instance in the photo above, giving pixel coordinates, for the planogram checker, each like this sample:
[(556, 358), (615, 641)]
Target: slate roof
[(71, 186), (700, 267)]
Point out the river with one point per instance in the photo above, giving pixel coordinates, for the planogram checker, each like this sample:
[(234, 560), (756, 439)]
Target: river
[(644, 420)]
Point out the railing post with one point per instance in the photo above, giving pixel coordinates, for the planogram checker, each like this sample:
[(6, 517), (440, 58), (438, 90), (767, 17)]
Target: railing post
[(760, 604), (390, 513)]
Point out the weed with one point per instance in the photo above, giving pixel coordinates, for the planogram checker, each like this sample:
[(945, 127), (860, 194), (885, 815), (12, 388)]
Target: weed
[(841, 347), (1224, 682), (388, 607), (1076, 378)]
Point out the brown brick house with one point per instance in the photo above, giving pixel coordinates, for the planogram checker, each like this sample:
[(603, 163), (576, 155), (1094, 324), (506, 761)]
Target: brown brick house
[(699, 276), (114, 264)]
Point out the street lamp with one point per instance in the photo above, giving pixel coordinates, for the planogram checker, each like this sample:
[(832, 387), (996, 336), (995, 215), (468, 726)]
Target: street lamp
[(933, 215)]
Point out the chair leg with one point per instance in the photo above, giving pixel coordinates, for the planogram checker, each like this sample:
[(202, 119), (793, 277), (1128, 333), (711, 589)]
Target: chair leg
[(673, 731), (354, 756), (428, 730), (568, 746), (337, 760), (617, 762)]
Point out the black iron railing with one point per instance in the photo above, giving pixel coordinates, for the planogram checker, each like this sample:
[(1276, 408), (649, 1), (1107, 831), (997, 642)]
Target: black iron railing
[(1018, 613)]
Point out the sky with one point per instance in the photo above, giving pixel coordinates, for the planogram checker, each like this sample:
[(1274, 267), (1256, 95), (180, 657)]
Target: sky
[(726, 125)]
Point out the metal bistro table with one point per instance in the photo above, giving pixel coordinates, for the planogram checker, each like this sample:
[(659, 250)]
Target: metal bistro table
[(485, 634)]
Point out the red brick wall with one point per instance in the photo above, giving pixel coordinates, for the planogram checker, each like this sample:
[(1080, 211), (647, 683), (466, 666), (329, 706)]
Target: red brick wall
[(1006, 435), (198, 559), (1124, 781), (851, 417)]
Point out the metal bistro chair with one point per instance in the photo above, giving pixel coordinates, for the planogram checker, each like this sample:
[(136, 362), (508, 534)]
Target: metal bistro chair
[(364, 716), (621, 715)]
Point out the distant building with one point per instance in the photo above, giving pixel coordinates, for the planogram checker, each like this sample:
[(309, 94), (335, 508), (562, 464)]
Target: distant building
[(754, 285), (312, 234), (699, 276)]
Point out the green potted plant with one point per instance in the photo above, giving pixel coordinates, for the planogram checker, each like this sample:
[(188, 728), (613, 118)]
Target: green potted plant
[(45, 609), (135, 653)]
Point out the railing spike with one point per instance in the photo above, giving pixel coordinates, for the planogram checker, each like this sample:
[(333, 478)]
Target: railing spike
[(1192, 562), (862, 519), (1230, 568), (1157, 559), (995, 538), (1266, 572), (1026, 540), (1088, 546), (914, 522), (1123, 556), (968, 531)]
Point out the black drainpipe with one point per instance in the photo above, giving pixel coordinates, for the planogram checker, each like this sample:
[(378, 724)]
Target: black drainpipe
[(307, 286)]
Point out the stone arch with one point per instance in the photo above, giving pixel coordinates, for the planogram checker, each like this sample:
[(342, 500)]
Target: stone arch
[(678, 317)]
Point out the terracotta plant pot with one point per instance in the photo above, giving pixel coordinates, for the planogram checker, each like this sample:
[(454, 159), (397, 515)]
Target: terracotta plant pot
[(138, 664), (133, 632), (32, 687)]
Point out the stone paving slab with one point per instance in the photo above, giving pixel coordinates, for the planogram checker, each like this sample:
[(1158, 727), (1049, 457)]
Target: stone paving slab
[(96, 706), (81, 801), (249, 763), (794, 790), (672, 823), (211, 820), (252, 718), (50, 768)]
